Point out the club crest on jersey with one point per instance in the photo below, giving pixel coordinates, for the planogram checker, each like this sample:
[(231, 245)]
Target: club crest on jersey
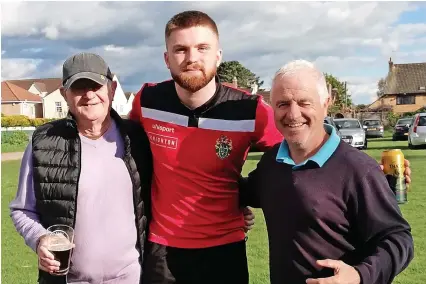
[(223, 147)]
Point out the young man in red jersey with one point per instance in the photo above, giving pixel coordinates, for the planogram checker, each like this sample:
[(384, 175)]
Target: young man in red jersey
[(200, 133)]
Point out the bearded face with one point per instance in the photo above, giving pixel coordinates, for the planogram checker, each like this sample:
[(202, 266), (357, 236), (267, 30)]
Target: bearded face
[(193, 56), (194, 77)]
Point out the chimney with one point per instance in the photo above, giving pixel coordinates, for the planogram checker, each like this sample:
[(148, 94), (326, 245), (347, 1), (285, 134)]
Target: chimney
[(254, 88), (390, 64), (235, 82)]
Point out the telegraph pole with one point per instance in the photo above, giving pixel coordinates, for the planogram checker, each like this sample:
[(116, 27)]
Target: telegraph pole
[(346, 97)]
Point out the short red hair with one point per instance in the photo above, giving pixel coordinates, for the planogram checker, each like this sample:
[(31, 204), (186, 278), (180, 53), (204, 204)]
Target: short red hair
[(189, 19)]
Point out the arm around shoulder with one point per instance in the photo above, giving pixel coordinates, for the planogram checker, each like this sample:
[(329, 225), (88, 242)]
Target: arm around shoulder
[(251, 186)]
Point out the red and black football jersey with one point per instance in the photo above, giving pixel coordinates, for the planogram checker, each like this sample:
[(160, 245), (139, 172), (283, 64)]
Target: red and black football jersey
[(198, 156)]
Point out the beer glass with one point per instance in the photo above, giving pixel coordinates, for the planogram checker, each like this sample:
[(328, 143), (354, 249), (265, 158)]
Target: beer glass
[(60, 239)]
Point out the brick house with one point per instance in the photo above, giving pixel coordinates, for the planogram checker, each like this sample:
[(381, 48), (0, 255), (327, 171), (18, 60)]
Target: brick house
[(18, 101), (44, 91), (405, 89)]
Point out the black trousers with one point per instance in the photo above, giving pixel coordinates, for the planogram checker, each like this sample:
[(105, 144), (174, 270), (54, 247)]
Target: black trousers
[(226, 264)]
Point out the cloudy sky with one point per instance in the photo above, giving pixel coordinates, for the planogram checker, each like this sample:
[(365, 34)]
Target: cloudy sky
[(353, 40)]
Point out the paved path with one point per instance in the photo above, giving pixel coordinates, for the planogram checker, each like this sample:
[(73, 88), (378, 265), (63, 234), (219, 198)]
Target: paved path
[(11, 156)]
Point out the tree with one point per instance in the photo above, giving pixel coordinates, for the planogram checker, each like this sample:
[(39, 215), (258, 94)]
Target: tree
[(381, 87), (227, 70), (360, 107), (342, 96)]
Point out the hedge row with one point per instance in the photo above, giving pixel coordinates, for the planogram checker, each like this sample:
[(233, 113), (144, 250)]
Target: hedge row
[(23, 121)]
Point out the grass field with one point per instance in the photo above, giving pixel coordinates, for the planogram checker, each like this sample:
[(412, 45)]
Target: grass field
[(7, 148), (19, 263)]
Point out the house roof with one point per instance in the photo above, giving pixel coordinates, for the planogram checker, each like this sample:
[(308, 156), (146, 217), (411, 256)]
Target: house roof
[(231, 85), (406, 79), (43, 85), (13, 93), (128, 94), (40, 86), (228, 84)]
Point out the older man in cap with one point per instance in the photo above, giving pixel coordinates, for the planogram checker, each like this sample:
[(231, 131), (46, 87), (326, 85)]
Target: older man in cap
[(90, 171)]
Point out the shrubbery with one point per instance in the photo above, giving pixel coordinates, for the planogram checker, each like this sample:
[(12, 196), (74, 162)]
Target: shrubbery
[(22, 121), (409, 114)]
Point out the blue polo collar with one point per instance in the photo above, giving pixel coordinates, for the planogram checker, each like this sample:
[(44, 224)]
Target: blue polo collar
[(320, 157)]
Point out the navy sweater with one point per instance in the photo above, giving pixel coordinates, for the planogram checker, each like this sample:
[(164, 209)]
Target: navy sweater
[(343, 210)]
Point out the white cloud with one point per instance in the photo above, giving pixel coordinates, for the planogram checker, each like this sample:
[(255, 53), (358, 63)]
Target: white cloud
[(113, 48), (33, 50), (51, 32), (66, 20), (365, 93), (18, 68)]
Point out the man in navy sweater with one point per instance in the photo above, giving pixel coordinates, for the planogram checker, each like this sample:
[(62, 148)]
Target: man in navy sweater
[(330, 214)]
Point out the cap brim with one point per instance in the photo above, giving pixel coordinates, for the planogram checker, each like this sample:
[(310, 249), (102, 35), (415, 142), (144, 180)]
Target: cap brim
[(98, 78)]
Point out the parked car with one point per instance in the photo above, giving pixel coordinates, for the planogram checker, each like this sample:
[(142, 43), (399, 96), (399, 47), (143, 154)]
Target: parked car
[(352, 132), (373, 128), (330, 120), (417, 131), (400, 131)]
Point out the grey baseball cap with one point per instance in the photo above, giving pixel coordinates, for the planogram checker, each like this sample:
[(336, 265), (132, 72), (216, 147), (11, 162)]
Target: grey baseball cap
[(85, 66)]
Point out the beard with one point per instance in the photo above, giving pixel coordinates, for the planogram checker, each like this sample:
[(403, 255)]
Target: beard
[(194, 83)]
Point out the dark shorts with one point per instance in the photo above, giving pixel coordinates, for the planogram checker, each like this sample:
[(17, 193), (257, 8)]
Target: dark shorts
[(226, 264)]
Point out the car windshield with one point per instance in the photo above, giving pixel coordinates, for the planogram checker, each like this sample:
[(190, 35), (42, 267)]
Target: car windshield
[(347, 123), (422, 121), (404, 121), (372, 123)]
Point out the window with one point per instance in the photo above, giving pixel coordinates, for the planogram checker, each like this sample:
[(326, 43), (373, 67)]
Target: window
[(372, 122), (347, 123), (405, 100), (404, 121), (58, 106), (422, 121)]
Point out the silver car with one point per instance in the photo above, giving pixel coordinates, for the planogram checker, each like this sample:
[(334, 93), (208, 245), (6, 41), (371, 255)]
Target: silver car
[(417, 131), (352, 132)]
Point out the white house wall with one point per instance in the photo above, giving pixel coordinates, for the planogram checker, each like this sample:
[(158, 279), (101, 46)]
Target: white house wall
[(129, 103), (49, 107), (119, 102)]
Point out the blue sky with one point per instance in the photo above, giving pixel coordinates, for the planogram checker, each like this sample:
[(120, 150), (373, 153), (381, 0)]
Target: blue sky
[(351, 40)]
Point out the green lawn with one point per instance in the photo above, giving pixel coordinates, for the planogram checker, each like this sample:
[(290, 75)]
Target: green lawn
[(19, 264), (7, 148)]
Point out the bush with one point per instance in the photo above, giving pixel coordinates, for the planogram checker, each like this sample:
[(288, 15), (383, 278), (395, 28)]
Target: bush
[(14, 137), (23, 121), (392, 118), (15, 120), (40, 121), (410, 114)]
